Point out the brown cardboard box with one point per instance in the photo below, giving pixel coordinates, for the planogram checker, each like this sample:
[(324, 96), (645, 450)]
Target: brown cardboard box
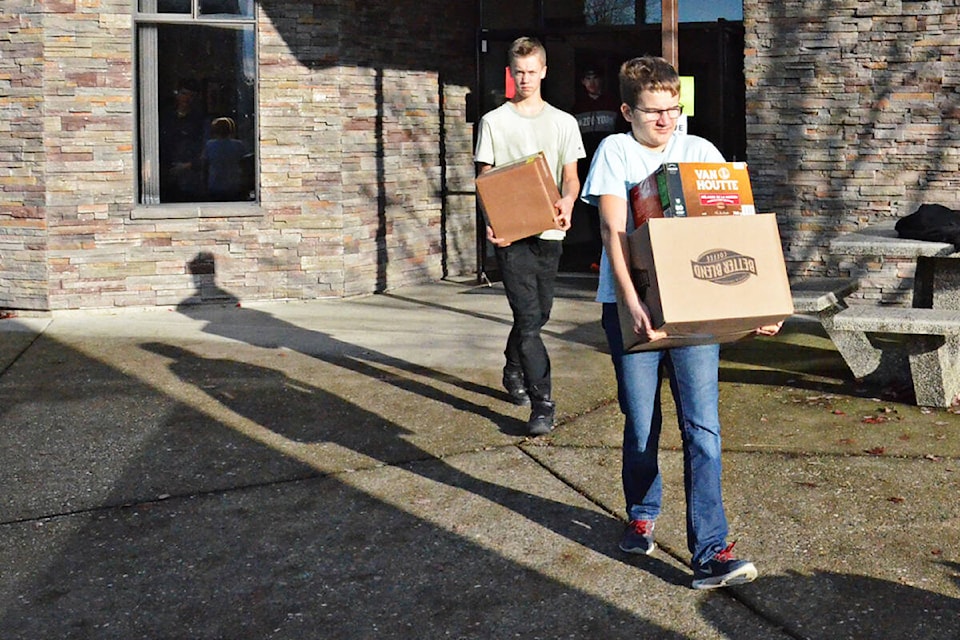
[(707, 280), (690, 189), (518, 198)]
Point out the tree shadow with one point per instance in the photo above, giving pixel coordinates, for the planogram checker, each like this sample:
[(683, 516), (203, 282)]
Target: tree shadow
[(823, 197)]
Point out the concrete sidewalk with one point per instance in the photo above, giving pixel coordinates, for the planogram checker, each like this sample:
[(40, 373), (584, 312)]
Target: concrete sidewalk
[(351, 469)]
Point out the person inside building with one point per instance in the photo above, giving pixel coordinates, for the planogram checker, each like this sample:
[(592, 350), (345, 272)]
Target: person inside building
[(182, 134), (650, 88), (523, 126), (222, 162), (598, 114)]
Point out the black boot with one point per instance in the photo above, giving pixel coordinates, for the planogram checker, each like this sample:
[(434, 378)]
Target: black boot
[(515, 386), (543, 411), (541, 417)]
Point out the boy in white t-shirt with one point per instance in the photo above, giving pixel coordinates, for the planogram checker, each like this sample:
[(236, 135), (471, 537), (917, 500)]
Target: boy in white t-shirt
[(526, 125), (650, 88)]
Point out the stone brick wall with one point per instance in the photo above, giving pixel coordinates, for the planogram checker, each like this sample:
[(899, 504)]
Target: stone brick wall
[(362, 132), (411, 74), (366, 169), (23, 265), (852, 118), (93, 258)]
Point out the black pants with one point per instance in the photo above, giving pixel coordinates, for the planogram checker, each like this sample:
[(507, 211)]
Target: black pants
[(529, 270)]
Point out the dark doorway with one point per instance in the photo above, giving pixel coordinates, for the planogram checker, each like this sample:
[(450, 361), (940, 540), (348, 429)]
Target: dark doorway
[(712, 53)]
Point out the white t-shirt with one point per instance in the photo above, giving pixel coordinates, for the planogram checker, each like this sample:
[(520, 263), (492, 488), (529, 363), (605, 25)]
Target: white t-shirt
[(620, 163), (506, 135)]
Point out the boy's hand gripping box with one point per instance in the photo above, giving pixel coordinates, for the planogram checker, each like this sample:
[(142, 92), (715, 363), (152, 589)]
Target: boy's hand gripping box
[(711, 280), (692, 189)]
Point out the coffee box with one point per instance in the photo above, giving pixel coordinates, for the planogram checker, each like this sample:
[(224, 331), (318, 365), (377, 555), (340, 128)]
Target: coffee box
[(692, 189)]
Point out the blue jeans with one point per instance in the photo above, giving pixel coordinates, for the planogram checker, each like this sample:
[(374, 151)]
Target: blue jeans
[(529, 271), (694, 380)]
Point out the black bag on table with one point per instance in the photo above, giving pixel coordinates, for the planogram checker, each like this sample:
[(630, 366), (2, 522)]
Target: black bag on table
[(933, 223)]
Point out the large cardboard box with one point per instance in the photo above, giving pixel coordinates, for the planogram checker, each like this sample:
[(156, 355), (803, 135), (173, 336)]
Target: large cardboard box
[(707, 280), (517, 198), (692, 189)]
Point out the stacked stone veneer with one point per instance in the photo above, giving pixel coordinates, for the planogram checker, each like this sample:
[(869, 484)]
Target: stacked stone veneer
[(23, 228), (884, 279), (853, 117), (362, 133)]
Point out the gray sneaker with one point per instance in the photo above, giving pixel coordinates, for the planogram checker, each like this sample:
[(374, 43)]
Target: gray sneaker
[(723, 570), (638, 538)]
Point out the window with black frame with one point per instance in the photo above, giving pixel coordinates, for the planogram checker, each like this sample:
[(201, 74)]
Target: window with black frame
[(608, 13), (196, 79)]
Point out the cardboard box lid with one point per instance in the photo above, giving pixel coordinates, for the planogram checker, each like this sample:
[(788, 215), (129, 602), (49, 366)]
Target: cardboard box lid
[(517, 198)]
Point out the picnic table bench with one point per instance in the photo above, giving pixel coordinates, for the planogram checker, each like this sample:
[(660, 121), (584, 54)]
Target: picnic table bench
[(929, 348), (825, 299)]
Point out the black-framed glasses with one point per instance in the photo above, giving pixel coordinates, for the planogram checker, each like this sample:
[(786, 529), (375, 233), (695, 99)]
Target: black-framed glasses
[(654, 114)]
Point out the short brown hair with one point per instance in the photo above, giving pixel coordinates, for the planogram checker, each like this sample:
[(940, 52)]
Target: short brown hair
[(523, 47), (223, 127), (647, 73)]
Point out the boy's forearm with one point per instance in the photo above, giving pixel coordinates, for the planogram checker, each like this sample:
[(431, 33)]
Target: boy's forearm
[(614, 238), (619, 256), (570, 189)]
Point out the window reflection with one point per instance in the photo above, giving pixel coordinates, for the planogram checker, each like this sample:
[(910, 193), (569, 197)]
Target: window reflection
[(601, 13), (206, 113), (226, 7), (168, 6), (206, 8), (611, 12)]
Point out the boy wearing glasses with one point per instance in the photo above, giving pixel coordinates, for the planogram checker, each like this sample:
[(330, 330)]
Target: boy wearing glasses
[(650, 88)]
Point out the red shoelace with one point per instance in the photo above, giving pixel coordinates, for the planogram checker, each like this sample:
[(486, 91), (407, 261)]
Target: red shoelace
[(642, 527), (727, 554)]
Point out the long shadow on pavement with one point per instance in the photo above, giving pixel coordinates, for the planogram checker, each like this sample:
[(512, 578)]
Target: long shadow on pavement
[(308, 413), (261, 329), (256, 546)]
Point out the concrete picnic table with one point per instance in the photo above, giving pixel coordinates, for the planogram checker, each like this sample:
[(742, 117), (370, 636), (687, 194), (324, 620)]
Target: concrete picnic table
[(931, 349)]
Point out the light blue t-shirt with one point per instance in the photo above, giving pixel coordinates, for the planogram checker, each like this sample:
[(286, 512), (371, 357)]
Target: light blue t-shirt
[(620, 163)]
